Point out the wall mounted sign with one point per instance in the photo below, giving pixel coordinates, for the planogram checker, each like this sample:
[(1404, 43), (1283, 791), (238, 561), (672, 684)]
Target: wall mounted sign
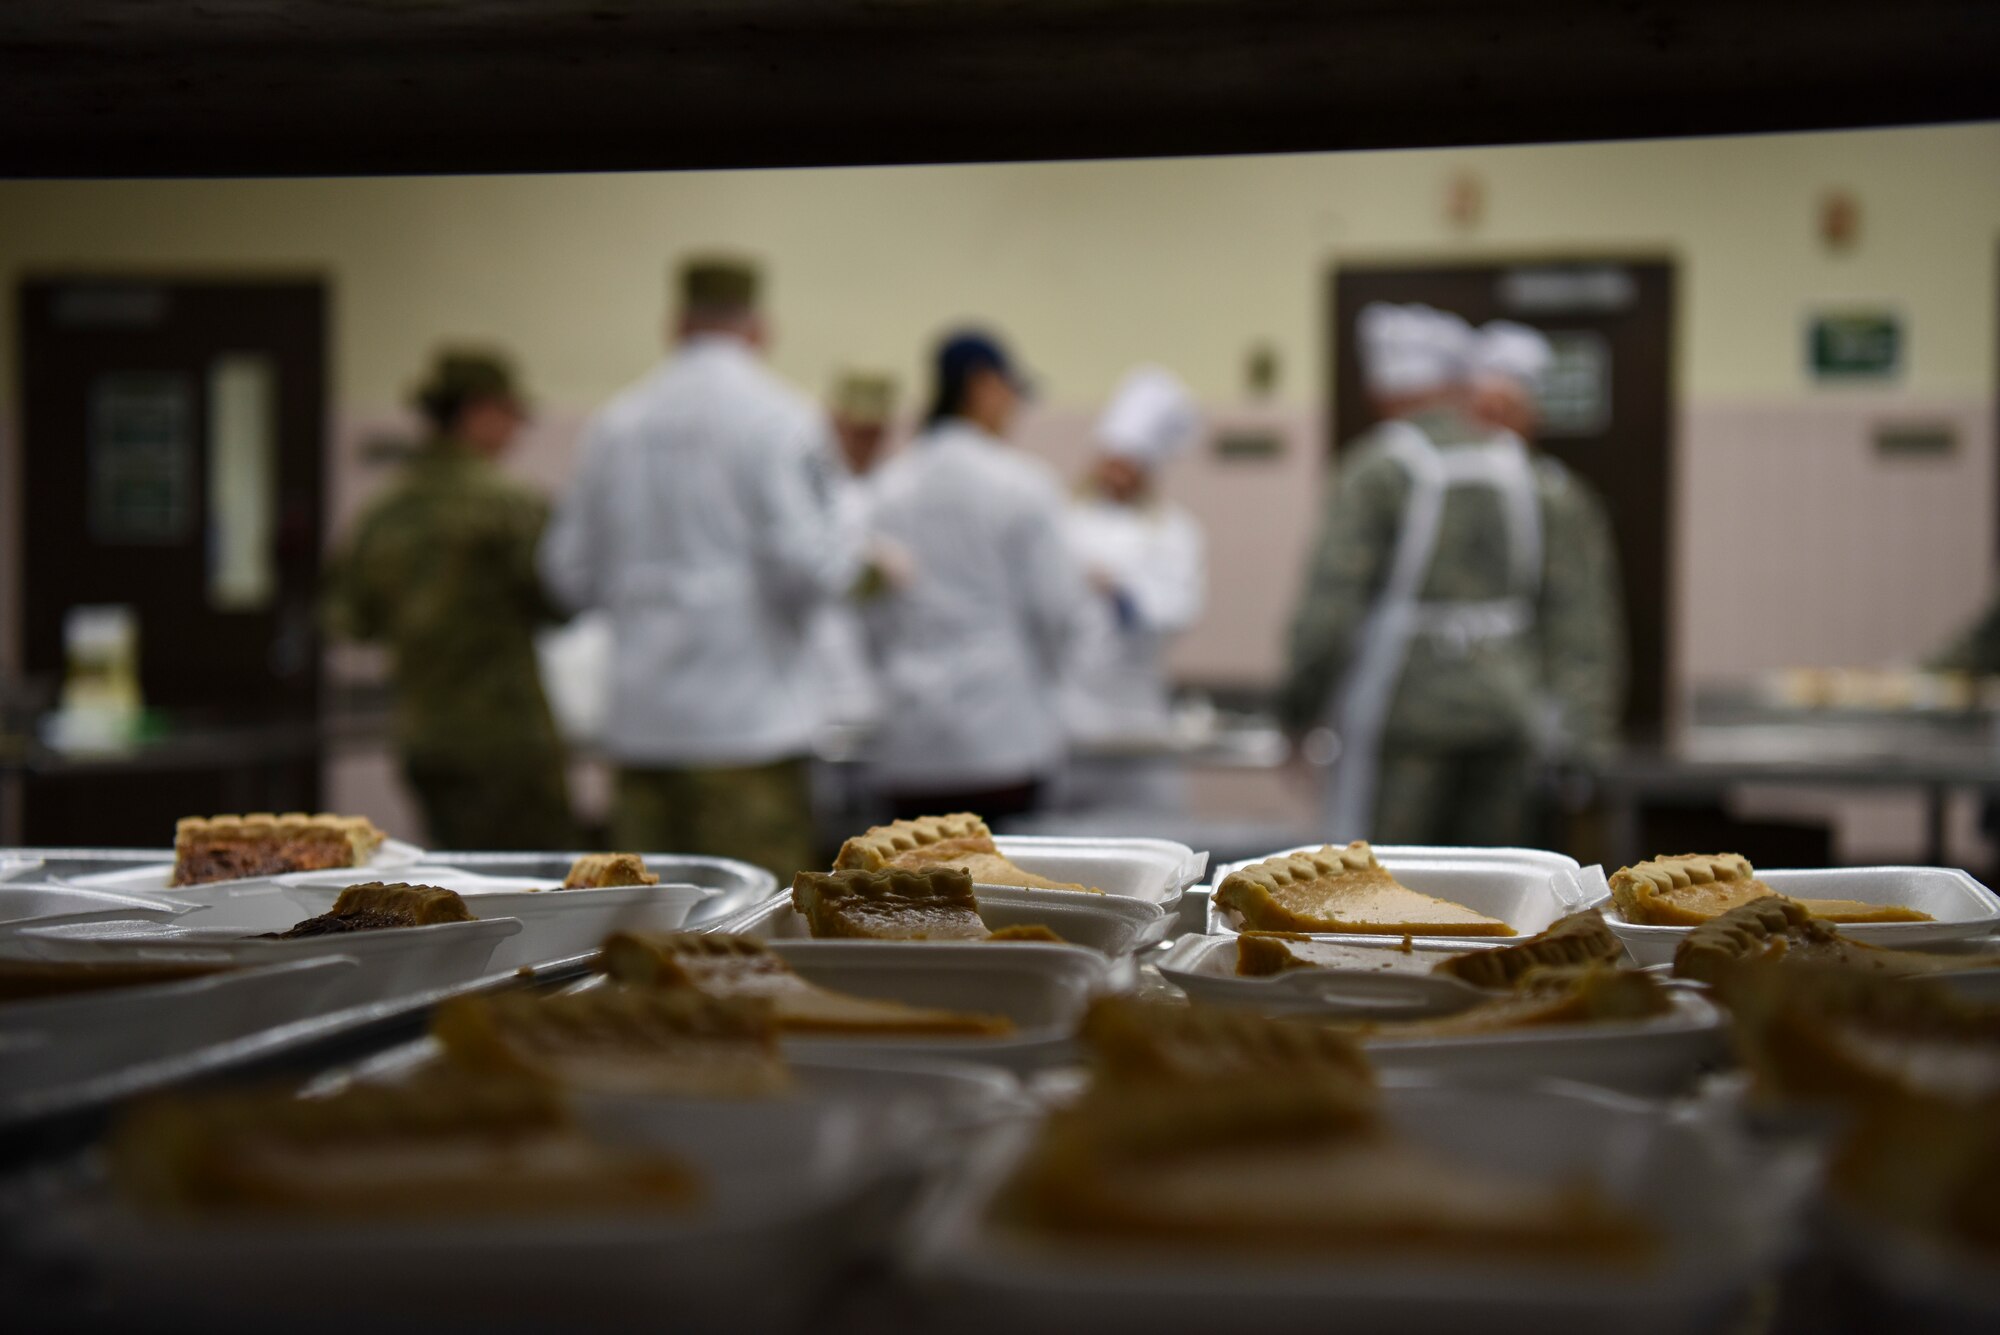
[(1854, 345), (1243, 444), (1915, 440), (1559, 288)]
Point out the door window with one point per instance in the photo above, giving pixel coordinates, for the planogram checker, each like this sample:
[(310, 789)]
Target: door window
[(141, 458)]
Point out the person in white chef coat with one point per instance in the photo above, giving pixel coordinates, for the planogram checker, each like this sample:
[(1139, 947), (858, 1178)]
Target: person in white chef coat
[(860, 411), (696, 519), (1144, 559), (970, 646)]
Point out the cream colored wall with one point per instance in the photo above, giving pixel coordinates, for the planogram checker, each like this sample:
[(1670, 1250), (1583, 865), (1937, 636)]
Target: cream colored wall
[(1091, 266), (1086, 264)]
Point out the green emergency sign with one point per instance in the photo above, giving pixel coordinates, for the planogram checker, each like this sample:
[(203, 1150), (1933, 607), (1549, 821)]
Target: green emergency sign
[(1855, 345)]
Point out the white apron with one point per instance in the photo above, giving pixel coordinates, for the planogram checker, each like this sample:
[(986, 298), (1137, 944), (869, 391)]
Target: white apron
[(1360, 707)]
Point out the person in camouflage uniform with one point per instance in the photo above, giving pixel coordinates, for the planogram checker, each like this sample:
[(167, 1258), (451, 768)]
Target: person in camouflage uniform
[(1508, 647), (441, 567), (1975, 649)]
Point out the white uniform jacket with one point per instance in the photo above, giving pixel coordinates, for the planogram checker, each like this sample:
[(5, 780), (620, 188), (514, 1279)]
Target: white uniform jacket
[(1153, 554), (694, 518), (970, 652), (843, 676)]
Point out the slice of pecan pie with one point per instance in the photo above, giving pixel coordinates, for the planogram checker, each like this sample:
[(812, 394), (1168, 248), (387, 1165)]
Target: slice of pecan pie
[(601, 871), (378, 905), (227, 848), (890, 905)]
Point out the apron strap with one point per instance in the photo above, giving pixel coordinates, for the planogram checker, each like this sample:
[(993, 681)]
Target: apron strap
[(1361, 707), (1360, 710)]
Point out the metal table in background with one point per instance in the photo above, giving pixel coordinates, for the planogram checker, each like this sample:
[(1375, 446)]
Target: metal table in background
[(1731, 743), (252, 756)]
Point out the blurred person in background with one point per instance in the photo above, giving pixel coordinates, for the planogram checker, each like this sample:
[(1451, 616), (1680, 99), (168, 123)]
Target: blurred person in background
[(859, 411), (1580, 616), (441, 568), (970, 647), (1976, 647), (697, 520), (1144, 560), (1420, 637)]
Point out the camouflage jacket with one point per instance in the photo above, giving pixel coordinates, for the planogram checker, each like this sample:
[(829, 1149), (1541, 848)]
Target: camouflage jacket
[(1975, 649), (441, 567), (1558, 687)]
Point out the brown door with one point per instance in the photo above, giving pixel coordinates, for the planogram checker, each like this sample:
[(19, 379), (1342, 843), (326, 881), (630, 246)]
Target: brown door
[(172, 437), (1609, 403)]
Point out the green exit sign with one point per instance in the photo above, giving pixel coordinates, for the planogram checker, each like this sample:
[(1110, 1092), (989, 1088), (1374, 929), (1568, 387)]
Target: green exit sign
[(1855, 345)]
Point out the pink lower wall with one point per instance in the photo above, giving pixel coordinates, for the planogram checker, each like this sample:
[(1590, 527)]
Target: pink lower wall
[(1800, 545)]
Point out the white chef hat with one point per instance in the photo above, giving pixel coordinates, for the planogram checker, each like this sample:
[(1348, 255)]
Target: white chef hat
[(1513, 351), (1412, 349), (1150, 417)]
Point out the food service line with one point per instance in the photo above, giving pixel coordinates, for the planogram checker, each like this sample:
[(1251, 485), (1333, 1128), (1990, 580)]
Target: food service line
[(1541, 943)]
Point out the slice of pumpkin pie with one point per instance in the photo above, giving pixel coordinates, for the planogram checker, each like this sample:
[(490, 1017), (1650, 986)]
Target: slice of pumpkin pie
[(1688, 889), (725, 966), (1343, 890), (619, 1040), (1774, 929), (444, 1145), (958, 840)]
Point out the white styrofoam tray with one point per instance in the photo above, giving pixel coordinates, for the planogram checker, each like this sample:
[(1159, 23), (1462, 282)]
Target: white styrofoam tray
[(801, 1182), (157, 877), (1704, 1191), (1654, 1058), (61, 1040), (1111, 924), (23, 902), (1528, 889), (393, 960), (555, 924), (1960, 905), (948, 1095), (1204, 967), (1043, 989), (1156, 870)]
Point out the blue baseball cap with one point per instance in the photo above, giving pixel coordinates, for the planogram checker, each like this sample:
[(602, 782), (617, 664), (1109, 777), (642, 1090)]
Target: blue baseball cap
[(967, 350)]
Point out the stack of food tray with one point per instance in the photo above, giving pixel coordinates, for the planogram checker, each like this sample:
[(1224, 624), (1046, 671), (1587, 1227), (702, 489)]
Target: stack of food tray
[(1396, 1087)]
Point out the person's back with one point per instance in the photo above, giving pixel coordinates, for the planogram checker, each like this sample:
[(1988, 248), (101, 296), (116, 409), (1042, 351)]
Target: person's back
[(1580, 623), (1466, 683), (709, 625), (441, 569), (971, 644), (695, 520), (861, 410)]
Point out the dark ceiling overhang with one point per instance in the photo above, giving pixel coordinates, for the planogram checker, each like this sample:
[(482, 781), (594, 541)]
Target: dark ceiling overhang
[(283, 87)]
